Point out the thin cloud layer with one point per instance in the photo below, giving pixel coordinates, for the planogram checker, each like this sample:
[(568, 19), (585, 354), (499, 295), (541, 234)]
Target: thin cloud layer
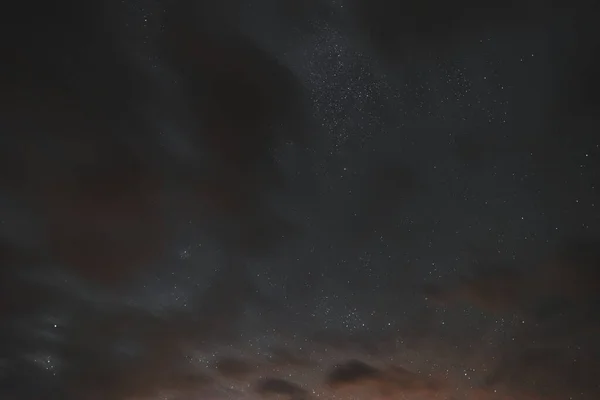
[(121, 139)]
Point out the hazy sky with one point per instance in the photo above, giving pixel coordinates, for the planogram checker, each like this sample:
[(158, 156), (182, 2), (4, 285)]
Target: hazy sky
[(337, 199)]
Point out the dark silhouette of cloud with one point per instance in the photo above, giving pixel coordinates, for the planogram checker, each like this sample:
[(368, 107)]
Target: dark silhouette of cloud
[(351, 373), (90, 163), (391, 381), (274, 386), (110, 350), (108, 353), (107, 195), (285, 357), (575, 272), (366, 343), (233, 368), (387, 186)]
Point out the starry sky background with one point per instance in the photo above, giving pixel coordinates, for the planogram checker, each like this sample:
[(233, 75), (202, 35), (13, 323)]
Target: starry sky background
[(338, 199)]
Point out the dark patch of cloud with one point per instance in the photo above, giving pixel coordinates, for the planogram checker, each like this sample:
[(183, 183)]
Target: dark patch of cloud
[(240, 93), (111, 349), (233, 368), (83, 155), (102, 352), (15, 293), (122, 354), (275, 386), (498, 290), (567, 278), (287, 358), (351, 373), (392, 380), (366, 343), (86, 156), (469, 149), (553, 351), (580, 57), (548, 372), (409, 29), (386, 188), (219, 308), (406, 380), (67, 119), (575, 273), (105, 222), (473, 151), (74, 108)]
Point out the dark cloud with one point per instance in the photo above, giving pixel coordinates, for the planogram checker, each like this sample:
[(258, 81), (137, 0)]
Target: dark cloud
[(287, 358), (104, 162), (113, 354), (575, 272), (88, 159), (106, 353), (403, 31), (14, 291), (351, 373), (498, 290), (247, 103), (105, 221), (566, 278), (367, 343), (109, 348), (387, 186), (557, 301), (219, 308), (274, 386), (393, 380), (233, 368), (408, 381), (67, 110), (547, 372), (576, 87), (108, 196), (472, 150)]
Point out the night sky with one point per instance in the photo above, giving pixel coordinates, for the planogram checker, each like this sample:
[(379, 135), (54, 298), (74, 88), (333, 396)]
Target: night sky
[(325, 199)]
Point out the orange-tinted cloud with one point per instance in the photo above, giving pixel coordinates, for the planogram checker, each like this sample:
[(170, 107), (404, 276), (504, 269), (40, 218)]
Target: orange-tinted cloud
[(570, 276), (498, 290)]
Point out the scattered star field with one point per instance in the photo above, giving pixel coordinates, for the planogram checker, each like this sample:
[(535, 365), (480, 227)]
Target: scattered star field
[(327, 199)]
